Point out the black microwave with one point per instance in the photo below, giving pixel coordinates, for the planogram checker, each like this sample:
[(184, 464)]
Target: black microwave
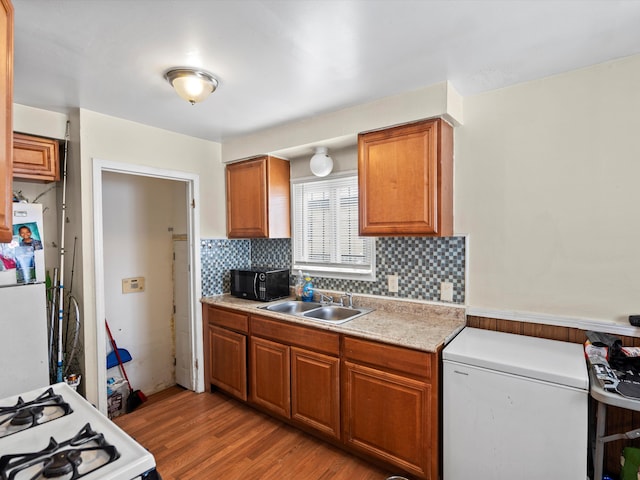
[(261, 284)]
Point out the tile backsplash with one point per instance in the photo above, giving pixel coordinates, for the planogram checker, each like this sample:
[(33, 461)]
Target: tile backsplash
[(421, 264)]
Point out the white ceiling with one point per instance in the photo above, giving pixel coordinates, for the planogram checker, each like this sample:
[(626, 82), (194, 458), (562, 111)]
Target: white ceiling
[(281, 61)]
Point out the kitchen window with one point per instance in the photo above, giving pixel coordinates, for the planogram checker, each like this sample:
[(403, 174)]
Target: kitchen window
[(325, 229)]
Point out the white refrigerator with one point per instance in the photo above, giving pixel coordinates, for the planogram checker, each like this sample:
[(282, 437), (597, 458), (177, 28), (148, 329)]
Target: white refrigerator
[(514, 407), (23, 304)]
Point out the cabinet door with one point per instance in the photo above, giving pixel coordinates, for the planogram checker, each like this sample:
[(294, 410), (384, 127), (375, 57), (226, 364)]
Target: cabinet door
[(405, 180), (35, 158), (247, 199), (315, 390), (6, 119), (228, 361), (387, 415), (270, 376)]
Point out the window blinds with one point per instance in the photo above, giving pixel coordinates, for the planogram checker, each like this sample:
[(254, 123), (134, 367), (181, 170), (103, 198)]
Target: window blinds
[(325, 225)]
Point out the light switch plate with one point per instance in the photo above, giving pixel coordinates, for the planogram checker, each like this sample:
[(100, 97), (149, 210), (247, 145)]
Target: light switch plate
[(133, 285)]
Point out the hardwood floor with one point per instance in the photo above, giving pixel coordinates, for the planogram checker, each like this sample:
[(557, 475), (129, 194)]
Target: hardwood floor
[(211, 436)]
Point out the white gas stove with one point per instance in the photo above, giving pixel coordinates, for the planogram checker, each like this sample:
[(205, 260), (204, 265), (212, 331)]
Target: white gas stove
[(54, 433)]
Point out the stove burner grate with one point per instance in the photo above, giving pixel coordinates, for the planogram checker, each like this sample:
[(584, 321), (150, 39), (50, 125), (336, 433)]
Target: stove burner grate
[(72, 459), (23, 415)]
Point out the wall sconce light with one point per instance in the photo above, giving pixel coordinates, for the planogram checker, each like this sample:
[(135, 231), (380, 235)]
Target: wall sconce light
[(321, 163), (191, 84)]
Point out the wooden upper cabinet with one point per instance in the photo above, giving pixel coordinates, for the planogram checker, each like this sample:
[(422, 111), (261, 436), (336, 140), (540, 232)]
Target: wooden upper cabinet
[(6, 119), (258, 198), (35, 158), (405, 180)]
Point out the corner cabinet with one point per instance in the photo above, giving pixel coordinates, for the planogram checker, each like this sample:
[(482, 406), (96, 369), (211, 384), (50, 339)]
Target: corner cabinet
[(35, 158), (405, 180), (390, 407), (258, 198), (225, 352), (6, 119)]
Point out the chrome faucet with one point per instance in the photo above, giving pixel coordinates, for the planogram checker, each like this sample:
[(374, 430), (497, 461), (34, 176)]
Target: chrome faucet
[(326, 299), (349, 297)]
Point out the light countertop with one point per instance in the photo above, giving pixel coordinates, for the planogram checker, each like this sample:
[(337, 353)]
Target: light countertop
[(418, 325)]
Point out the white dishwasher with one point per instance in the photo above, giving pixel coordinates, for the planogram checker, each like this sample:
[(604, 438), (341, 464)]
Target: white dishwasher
[(514, 407)]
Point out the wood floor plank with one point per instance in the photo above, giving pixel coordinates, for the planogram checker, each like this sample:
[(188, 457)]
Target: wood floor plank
[(210, 436)]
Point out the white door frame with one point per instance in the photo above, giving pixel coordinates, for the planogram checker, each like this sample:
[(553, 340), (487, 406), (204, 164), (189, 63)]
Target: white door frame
[(192, 204)]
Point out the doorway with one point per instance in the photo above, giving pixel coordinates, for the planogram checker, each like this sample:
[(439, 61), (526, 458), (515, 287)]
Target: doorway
[(127, 307)]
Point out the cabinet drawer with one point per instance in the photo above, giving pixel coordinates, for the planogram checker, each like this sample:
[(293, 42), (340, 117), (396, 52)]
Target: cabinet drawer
[(228, 318), (290, 334), (389, 357)]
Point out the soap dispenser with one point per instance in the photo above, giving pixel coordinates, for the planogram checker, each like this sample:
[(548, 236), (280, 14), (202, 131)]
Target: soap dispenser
[(307, 289)]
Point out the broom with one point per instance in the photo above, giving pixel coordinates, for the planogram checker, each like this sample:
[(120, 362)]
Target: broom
[(136, 397)]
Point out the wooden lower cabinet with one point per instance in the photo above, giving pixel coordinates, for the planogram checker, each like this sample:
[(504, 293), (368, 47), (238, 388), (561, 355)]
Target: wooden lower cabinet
[(294, 371), (374, 399), (315, 390), (228, 361), (390, 405), (270, 376), (386, 416), (296, 383), (225, 349)]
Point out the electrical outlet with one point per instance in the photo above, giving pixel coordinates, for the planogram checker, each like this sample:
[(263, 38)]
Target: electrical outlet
[(133, 285), (446, 291), (392, 283)]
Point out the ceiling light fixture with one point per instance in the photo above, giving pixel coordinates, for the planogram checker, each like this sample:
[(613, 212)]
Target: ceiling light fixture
[(191, 84), (321, 163)]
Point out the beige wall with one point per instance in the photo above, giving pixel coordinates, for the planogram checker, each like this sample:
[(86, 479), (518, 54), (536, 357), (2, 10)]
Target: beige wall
[(546, 186)]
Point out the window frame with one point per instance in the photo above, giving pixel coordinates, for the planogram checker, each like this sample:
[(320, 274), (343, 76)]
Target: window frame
[(320, 269)]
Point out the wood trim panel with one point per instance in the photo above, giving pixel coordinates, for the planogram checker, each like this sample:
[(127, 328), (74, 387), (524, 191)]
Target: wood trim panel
[(311, 338), (399, 359), (230, 319)]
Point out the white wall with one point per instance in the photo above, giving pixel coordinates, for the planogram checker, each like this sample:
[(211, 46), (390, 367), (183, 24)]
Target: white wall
[(546, 185), (139, 220), (115, 140)]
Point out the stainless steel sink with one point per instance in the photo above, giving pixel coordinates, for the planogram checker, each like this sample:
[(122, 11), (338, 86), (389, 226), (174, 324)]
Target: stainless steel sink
[(292, 307), (334, 314)]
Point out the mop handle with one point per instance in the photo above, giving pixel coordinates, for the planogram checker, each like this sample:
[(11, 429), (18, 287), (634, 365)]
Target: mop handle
[(115, 349)]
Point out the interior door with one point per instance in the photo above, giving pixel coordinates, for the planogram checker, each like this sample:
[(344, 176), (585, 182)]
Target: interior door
[(184, 352)]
